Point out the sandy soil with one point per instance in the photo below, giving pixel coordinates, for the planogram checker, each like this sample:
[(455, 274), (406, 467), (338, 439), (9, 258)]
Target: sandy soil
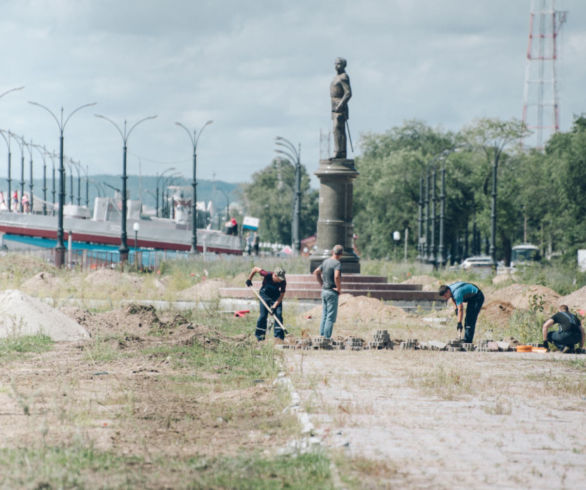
[(450, 420)]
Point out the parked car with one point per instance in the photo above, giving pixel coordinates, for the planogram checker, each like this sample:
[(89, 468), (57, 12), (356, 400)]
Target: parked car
[(477, 262)]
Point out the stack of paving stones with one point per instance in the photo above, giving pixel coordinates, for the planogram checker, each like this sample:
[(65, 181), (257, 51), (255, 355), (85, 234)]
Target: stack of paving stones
[(338, 343), (454, 345), (303, 343), (354, 343), (468, 347), (409, 344), (321, 343), (381, 340)]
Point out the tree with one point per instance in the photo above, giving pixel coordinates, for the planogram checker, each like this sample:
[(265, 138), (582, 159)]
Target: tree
[(492, 137), (270, 196)]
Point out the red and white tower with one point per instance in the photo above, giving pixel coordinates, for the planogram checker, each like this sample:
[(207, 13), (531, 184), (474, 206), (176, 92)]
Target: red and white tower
[(540, 95)]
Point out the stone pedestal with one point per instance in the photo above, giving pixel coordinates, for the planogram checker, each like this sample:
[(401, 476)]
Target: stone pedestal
[(334, 225)]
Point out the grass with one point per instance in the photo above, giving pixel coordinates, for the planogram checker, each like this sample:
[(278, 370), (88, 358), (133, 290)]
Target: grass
[(82, 466), (13, 347)]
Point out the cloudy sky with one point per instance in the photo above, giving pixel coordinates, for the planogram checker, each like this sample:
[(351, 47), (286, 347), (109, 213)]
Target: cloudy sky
[(260, 69)]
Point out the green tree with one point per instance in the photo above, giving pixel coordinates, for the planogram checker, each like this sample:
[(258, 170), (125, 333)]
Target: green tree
[(270, 196)]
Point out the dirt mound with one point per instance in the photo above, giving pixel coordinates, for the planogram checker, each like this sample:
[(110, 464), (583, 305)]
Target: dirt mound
[(361, 309), (108, 277), (23, 315), (40, 283), (524, 296), (206, 290), (429, 283), (575, 300), (497, 312)]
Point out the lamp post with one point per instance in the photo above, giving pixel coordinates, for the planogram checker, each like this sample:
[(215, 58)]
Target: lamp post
[(293, 155), (158, 181), (60, 247), (42, 151), (125, 135), (30, 185), (194, 139), (8, 179), (21, 144)]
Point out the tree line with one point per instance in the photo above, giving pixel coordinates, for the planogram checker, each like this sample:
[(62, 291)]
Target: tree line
[(539, 193)]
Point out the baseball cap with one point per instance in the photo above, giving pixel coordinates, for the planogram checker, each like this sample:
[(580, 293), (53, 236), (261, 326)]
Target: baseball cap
[(280, 273)]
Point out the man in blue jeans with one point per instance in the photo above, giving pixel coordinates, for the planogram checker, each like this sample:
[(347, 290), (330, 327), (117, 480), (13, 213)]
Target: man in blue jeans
[(460, 293), (329, 275), (272, 292)]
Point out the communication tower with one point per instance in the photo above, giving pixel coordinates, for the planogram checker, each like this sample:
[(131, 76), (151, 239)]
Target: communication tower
[(540, 95)]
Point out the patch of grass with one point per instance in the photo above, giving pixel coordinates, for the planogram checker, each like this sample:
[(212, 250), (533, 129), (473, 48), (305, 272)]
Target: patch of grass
[(365, 473), (11, 347), (106, 349), (302, 471), (444, 382)]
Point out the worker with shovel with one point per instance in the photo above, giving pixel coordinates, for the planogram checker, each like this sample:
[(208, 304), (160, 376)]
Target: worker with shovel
[(460, 293), (271, 296)]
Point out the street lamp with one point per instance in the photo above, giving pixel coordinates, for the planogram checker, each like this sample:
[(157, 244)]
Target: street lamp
[(125, 135), (157, 182), (194, 141), (8, 179), (60, 247), (293, 155), (136, 228), (43, 151)]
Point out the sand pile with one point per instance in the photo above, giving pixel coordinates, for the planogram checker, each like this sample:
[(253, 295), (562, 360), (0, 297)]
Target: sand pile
[(523, 296), (206, 290), (361, 309), (429, 283), (575, 300), (497, 312), (22, 315)]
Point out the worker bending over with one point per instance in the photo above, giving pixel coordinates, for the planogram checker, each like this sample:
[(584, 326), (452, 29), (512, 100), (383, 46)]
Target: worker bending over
[(460, 293), (570, 331), (272, 292)]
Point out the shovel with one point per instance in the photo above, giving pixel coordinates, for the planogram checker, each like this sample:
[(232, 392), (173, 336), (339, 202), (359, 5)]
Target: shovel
[(270, 311)]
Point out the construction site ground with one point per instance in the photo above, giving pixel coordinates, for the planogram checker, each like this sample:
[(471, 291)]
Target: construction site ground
[(150, 416)]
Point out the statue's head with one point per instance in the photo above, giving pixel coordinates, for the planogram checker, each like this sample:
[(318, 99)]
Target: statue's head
[(340, 62)]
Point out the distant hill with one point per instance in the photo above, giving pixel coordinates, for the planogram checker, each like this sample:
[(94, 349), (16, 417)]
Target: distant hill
[(143, 188)]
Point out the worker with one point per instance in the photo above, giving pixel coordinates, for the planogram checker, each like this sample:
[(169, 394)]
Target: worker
[(329, 275), (570, 331), (272, 293), (460, 293)]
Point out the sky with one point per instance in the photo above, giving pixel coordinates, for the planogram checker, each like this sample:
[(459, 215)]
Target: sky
[(260, 69)]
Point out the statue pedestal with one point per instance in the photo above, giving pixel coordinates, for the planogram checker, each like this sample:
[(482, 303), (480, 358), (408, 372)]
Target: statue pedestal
[(334, 225)]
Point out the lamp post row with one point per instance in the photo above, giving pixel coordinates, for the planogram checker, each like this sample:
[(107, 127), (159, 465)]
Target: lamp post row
[(125, 134)]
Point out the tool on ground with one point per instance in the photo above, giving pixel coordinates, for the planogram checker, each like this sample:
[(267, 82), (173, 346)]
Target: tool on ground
[(270, 310)]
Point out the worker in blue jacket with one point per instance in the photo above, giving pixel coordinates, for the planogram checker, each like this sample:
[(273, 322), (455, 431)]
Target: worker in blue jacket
[(460, 293)]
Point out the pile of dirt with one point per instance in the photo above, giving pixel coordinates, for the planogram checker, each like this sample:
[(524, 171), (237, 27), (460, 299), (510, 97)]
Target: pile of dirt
[(107, 277), (40, 283), (497, 312), (361, 309), (524, 296), (429, 283), (22, 315), (575, 300), (206, 290)]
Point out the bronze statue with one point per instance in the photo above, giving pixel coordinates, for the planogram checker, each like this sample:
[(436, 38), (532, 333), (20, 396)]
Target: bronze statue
[(340, 94)]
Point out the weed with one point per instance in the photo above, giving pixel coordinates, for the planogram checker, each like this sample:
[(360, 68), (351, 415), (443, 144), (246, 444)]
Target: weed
[(445, 382), (11, 347)]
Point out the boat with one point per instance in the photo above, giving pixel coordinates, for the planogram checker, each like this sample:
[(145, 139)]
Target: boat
[(104, 228)]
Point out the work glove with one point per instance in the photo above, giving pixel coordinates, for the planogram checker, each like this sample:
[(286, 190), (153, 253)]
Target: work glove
[(248, 283), (546, 344), (459, 327)]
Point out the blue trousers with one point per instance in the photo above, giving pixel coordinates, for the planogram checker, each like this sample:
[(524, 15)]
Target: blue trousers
[(472, 310), (329, 302), (261, 323), (563, 339)]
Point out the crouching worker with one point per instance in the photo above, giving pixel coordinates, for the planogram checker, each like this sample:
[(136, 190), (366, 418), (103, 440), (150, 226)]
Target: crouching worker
[(460, 293), (570, 331), (272, 293)]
